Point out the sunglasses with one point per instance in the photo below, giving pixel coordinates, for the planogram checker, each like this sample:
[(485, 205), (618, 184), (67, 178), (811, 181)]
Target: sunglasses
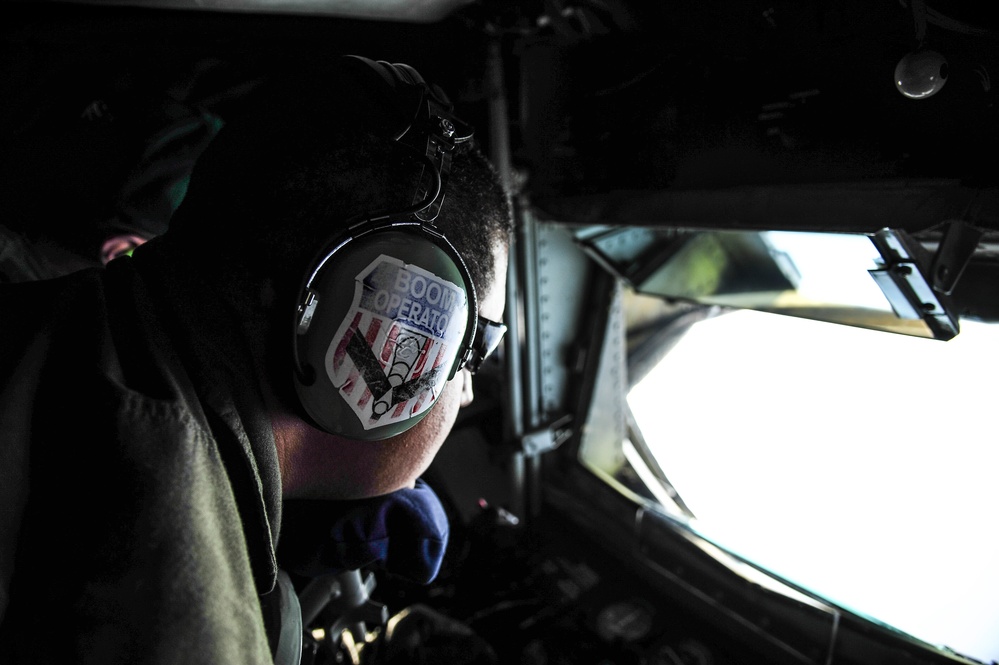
[(488, 335)]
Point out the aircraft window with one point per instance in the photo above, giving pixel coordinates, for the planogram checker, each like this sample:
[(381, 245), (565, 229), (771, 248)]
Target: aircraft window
[(857, 464), (876, 281)]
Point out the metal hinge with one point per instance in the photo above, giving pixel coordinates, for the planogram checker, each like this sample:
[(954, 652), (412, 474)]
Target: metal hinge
[(547, 438)]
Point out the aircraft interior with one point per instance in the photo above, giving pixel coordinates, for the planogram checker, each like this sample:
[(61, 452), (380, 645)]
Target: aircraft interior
[(663, 158)]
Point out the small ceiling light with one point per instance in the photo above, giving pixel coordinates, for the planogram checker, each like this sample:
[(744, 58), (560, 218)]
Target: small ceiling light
[(921, 74)]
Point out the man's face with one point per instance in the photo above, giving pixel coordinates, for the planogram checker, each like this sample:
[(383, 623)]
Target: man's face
[(340, 468), (419, 444)]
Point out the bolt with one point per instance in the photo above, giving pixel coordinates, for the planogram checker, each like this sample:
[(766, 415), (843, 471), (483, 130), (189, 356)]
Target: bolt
[(447, 127)]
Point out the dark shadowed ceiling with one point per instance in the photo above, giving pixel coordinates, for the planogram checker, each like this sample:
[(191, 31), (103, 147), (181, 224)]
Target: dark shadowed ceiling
[(618, 111)]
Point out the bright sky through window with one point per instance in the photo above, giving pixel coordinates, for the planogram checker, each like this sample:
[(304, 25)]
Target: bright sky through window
[(858, 464)]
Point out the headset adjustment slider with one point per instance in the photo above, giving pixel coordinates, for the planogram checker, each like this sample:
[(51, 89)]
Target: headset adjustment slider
[(307, 309)]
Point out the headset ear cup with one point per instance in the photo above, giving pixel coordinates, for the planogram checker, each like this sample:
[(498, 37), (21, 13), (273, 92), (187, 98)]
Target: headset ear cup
[(393, 316)]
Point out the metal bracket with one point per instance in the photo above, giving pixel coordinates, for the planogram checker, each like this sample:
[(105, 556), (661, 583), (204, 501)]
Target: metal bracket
[(954, 254), (905, 285), (547, 438)]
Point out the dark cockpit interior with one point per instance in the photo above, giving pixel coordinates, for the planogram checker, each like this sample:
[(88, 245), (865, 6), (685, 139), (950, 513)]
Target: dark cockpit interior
[(670, 163)]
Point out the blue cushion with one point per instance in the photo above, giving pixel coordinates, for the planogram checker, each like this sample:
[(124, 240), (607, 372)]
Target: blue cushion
[(405, 532)]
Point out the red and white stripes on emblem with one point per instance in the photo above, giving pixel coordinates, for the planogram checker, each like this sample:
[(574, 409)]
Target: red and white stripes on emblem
[(356, 389), (419, 399)]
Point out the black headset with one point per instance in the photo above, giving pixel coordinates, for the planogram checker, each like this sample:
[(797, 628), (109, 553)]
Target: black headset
[(387, 312)]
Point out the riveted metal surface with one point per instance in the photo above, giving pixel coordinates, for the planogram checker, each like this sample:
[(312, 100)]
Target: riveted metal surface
[(604, 428), (563, 309)]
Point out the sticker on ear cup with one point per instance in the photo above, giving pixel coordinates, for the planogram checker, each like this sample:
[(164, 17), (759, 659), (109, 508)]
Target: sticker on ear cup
[(391, 355)]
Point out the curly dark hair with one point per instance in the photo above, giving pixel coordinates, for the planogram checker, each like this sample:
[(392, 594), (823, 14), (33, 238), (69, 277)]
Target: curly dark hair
[(311, 156)]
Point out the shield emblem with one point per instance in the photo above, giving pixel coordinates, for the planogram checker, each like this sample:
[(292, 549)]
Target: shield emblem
[(392, 353)]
